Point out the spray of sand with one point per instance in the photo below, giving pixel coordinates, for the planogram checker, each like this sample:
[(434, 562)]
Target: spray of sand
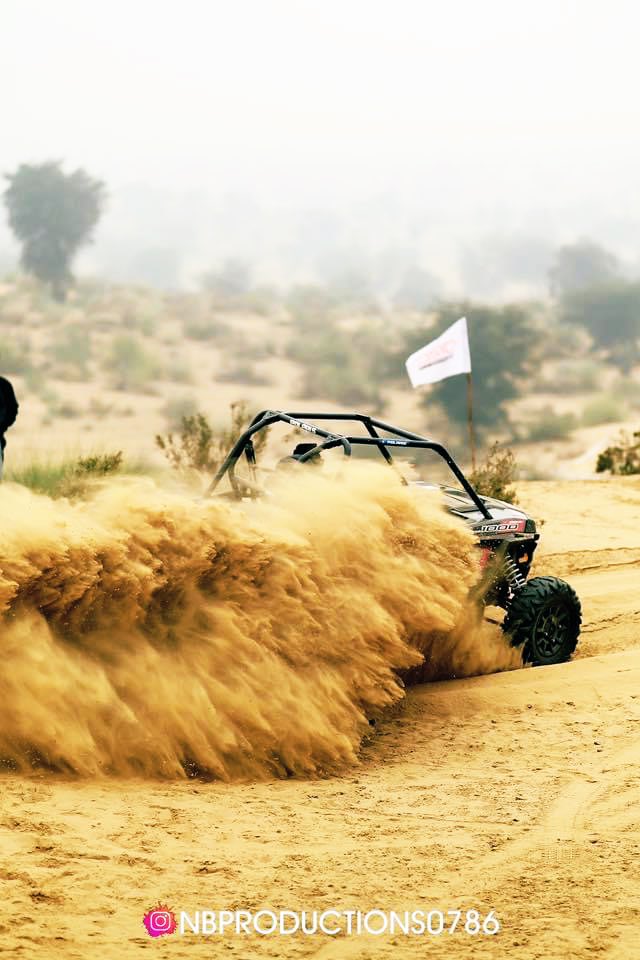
[(147, 634)]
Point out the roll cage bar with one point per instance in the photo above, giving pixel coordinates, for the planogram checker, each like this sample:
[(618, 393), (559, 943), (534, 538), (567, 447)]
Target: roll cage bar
[(328, 440)]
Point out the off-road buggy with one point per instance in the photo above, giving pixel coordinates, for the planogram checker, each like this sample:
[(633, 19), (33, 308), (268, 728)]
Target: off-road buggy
[(542, 615)]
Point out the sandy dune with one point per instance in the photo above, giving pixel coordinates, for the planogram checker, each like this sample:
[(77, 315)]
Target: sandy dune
[(517, 792)]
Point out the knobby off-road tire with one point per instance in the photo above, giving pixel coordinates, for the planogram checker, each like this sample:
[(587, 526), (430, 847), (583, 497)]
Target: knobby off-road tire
[(544, 619)]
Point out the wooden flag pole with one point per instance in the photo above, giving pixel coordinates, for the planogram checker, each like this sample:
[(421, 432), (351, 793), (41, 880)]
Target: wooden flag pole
[(472, 437)]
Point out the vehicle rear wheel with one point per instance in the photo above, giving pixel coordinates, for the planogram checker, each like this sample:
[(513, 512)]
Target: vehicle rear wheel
[(544, 619)]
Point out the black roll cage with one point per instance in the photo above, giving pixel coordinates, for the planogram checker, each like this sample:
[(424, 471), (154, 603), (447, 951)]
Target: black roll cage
[(327, 440)]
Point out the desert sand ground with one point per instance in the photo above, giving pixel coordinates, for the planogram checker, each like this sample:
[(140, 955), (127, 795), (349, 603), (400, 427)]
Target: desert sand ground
[(517, 792)]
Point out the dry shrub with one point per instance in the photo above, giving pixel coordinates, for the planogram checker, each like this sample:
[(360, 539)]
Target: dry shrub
[(494, 477), (201, 447)]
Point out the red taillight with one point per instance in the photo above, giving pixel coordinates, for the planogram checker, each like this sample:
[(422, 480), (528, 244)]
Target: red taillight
[(484, 557)]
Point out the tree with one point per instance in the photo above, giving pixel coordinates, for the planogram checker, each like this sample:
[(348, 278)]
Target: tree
[(581, 265), (611, 314), (501, 340), (52, 214)]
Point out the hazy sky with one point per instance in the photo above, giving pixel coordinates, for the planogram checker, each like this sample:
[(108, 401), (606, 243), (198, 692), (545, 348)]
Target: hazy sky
[(503, 109)]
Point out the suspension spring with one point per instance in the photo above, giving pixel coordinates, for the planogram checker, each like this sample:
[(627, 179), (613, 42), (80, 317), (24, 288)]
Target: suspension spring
[(512, 575)]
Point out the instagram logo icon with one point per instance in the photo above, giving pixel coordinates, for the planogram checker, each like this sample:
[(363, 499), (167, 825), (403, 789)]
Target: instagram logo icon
[(159, 921)]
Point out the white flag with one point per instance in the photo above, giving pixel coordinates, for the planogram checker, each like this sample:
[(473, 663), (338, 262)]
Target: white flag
[(444, 357)]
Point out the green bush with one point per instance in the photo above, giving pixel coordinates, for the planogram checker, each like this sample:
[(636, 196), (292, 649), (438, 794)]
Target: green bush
[(14, 356), (140, 320), (65, 478), (245, 374), (66, 409), (98, 464), (240, 347), (130, 366), (39, 475), (207, 328), (347, 384), (602, 409), (338, 365), (71, 348), (57, 406), (622, 458), (261, 300)]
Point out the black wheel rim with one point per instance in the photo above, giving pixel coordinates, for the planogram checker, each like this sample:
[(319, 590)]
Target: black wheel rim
[(550, 630)]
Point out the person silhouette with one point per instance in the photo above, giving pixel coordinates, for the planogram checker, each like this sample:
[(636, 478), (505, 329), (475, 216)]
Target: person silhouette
[(8, 414)]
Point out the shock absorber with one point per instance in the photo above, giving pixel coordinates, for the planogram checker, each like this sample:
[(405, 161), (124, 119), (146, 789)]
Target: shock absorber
[(512, 575)]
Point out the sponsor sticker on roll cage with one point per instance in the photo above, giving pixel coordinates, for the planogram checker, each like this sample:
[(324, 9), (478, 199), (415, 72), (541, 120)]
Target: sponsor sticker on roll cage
[(302, 425)]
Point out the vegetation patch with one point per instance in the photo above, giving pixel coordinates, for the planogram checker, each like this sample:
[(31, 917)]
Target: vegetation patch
[(494, 477), (622, 458)]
